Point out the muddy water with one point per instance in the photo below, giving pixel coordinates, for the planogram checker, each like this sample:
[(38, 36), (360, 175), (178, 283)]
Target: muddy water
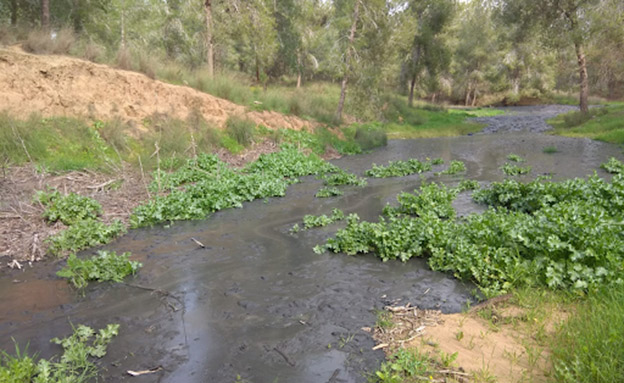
[(257, 302)]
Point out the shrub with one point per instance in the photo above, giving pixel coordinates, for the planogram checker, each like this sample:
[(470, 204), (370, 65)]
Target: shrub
[(370, 136), (240, 129), (124, 59)]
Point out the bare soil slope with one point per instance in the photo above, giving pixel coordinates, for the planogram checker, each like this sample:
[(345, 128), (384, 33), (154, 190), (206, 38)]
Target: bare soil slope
[(67, 86)]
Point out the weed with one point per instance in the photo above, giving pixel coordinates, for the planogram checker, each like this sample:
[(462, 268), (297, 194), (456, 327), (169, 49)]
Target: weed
[(341, 177), (515, 170), (459, 335), (106, 266), (613, 166), (589, 347), (310, 221), (328, 191), (403, 365), (550, 149), (241, 130), (84, 234), (42, 41), (74, 365), (68, 209), (384, 319), (400, 168), (515, 158), (454, 168), (448, 360)]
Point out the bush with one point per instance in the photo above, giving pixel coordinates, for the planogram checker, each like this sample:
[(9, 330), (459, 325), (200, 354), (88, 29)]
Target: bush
[(241, 130), (49, 42), (124, 59)]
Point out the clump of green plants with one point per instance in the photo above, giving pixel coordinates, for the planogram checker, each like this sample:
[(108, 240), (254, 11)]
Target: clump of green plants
[(328, 191), (404, 365), (589, 347), (370, 136), (310, 221), (206, 185), (467, 185), (515, 170), (75, 365), (105, 266), (561, 235), (68, 209), (454, 168), (613, 166), (241, 130), (515, 158), (550, 149), (341, 177), (401, 168), (84, 234)]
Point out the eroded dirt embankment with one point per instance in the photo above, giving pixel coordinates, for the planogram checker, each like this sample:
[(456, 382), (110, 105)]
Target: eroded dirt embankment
[(67, 86)]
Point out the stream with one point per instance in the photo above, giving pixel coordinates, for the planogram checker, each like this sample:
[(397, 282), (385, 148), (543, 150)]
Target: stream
[(257, 304)]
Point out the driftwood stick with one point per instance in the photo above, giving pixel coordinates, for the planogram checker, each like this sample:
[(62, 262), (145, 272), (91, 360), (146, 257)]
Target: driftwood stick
[(292, 364)]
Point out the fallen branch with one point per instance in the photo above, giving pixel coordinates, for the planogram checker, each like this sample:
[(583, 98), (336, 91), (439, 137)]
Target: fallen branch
[(292, 364), (144, 372), (198, 243), (103, 185)]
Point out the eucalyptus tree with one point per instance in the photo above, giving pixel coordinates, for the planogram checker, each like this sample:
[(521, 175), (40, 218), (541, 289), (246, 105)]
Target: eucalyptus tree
[(427, 51), (565, 21)]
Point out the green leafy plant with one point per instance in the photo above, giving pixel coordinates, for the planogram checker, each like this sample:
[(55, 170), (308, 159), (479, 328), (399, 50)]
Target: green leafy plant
[(402, 365), (613, 166), (84, 234), (68, 209), (454, 168), (328, 191), (515, 158), (341, 177), (400, 168), (75, 365), (515, 170), (550, 149), (310, 221), (105, 266)]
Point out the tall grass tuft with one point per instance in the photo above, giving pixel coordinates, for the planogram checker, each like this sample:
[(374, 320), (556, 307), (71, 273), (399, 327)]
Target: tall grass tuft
[(589, 347), (241, 130), (50, 42)]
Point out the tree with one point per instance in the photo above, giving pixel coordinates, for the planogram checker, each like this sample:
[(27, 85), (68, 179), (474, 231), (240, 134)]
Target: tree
[(208, 37), (565, 18), (347, 60), (45, 14), (427, 50)]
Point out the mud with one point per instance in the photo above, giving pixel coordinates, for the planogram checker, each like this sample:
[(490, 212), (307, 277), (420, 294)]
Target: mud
[(257, 302), (523, 118)]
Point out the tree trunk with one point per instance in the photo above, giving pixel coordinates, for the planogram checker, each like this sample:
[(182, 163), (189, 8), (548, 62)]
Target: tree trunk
[(343, 85), (467, 99), (410, 98), (45, 14), (584, 84), (122, 41), (298, 70), (14, 12), (257, 69), (208, 42), (474, 97)]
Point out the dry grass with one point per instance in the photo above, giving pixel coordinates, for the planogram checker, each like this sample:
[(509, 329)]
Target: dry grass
[(50, 42)]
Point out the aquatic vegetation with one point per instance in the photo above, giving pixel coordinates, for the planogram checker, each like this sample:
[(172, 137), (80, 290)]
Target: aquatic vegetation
[(206, 185), (454, 168), (310, 221), (84, 234), (515, 158), (68, 209), (467, 185), (550, 149), (613, 166), (341, 177), (105, 266), (515, 170), (402, 168), (562, 235), (75, 365), (328, 191)]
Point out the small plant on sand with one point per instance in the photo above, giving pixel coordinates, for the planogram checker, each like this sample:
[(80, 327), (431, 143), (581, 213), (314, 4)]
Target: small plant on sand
[(403, 365), (106, 266)]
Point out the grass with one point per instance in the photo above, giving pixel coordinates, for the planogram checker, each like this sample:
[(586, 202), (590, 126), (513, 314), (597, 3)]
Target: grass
[(603, 124), (589, 347)]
